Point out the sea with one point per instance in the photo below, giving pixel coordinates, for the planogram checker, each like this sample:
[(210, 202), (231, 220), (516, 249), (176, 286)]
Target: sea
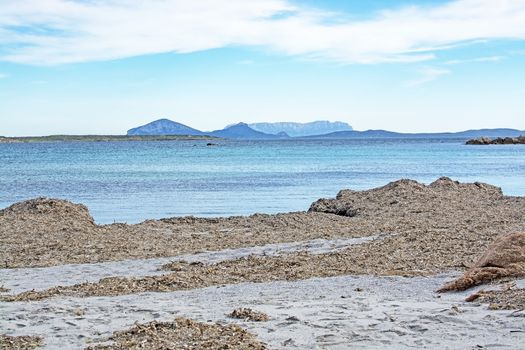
[(134, 181)]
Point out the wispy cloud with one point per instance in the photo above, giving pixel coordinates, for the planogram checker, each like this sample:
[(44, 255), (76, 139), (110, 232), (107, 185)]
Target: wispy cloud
[(475, 60), (246, 62), (3, 76), (63, 31), (427, 74)]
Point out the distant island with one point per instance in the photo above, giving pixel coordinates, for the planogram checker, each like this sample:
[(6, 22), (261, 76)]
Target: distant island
[(168, 130), (237, 131), (384, 134), (286, 130), (164, 127), (301, 129), (254, 130)]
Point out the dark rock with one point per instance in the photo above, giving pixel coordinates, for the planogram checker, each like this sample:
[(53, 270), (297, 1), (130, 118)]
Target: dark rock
[(479, 141), (497, 141), (333, 207)]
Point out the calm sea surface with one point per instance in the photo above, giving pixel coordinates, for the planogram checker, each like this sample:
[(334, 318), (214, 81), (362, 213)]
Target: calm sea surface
[(134, 181)]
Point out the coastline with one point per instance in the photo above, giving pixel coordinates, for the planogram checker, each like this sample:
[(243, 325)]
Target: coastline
[(400, 234), (104, 138)]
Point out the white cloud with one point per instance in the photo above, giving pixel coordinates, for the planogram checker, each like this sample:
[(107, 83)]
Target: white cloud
[(428, 74), (246, 62), (3, 76), (64, 31), (475, 60)]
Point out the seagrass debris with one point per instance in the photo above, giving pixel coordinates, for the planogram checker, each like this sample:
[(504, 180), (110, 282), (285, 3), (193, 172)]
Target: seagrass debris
[(504, 258), (19, 342), (447, 222), (503, 299), (182, 334), (248, 314)]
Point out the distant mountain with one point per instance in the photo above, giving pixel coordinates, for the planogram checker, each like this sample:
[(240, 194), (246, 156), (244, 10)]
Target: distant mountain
[(491, 133), (164, 127), (286, 130), (301, 129), (391, 134), (243, 131)]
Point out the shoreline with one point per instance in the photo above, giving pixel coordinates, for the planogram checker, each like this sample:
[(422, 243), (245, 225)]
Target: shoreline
[(103, 138), (417, 213)]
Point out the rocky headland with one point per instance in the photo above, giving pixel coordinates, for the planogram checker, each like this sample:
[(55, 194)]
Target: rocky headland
[(520, 140)]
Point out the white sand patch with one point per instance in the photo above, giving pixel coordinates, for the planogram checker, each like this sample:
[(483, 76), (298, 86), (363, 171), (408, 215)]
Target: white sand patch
[(361, 312), (24, 279)]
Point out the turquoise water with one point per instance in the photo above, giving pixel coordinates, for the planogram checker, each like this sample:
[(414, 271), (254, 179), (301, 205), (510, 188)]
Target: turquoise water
[(134, 181)]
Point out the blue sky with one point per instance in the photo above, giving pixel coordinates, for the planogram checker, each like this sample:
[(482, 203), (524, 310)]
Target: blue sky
[(102, 67)]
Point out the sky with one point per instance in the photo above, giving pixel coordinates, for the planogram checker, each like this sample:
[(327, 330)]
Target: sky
[(105, 66)]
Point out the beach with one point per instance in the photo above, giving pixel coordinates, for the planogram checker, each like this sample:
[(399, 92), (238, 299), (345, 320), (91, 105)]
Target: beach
[(255, 175), (359, 270)]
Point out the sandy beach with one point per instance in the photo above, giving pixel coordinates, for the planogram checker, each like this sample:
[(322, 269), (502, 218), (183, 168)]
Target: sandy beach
[(262, 174), (360, 270)]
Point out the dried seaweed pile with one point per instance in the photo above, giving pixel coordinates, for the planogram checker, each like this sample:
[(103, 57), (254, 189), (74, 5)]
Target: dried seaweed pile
[(182, 334), (248, 314), (258, 269), (446, 224), (504, 258), (19, 343), (443, 226), (505, 299), (46, 232)]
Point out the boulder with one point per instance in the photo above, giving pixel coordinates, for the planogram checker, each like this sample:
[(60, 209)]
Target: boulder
[(497, 141), (479, 141)]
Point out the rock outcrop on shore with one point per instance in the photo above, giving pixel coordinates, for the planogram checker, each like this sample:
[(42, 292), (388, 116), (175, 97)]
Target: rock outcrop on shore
[(520, 140), (503, 258)]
